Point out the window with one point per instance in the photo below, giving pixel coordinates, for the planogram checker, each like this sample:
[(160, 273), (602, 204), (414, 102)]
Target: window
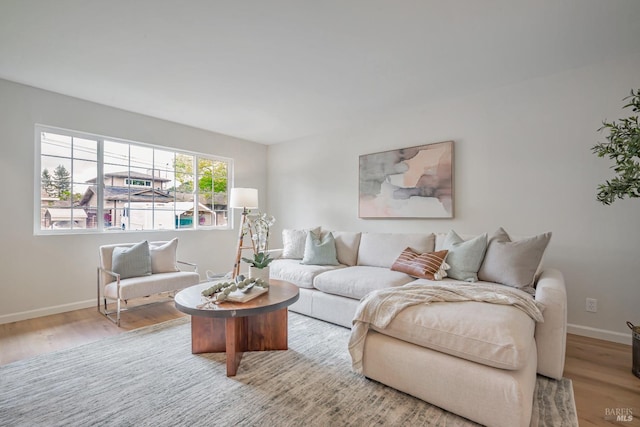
[(90, 183)]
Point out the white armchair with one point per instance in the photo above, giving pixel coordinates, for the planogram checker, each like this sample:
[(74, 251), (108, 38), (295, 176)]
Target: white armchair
[(153, 269)]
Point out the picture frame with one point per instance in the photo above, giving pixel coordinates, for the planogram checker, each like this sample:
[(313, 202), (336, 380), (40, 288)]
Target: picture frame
[(412, 182)]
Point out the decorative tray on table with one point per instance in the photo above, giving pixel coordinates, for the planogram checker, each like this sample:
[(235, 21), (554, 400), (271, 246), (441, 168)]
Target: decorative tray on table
[(240, 290)]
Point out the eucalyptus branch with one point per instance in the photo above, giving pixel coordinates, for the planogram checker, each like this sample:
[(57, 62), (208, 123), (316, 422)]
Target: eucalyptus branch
[(623, 147)]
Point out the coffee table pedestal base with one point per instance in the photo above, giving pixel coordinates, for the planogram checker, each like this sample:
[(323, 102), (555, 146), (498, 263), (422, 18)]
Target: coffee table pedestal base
[(235, 335)]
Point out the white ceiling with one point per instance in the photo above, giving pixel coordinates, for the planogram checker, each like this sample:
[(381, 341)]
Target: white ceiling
[(276, 70)]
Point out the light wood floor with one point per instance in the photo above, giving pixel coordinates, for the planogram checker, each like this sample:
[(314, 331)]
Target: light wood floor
[(600, 370)]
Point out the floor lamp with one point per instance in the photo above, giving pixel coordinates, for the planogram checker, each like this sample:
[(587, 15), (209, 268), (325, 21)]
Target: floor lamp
[(243, 198)]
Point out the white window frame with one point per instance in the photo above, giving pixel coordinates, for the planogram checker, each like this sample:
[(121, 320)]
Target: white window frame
[(100, 229)]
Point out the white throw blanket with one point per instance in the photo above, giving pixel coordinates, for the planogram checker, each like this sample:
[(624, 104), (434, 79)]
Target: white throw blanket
[(380, 307)]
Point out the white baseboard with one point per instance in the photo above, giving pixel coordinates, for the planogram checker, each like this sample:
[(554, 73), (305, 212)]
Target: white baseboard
[(600, 334), (46, 311)]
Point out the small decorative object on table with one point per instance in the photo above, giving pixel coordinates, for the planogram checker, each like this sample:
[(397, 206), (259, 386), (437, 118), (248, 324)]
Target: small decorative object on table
[(259, 265), (240, 290)]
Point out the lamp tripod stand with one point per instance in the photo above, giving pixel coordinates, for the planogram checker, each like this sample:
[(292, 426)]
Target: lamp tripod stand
[(236, 266), (245, 199)]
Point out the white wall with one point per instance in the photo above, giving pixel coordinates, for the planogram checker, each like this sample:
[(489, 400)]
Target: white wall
[(522, 161), (40, 275)]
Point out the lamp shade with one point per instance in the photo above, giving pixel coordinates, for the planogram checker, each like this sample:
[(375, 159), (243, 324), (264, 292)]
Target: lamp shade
[(241, 198)]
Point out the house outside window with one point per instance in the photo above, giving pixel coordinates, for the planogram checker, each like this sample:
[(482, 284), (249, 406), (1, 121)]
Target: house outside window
[(138, 182), (89, 183)]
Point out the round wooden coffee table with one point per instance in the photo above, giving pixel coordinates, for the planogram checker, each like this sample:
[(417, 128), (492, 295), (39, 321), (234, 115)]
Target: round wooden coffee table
[(260, 324)]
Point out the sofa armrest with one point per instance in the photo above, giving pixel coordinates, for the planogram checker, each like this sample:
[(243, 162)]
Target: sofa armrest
[(551, 335), (275, 253), (190, 264), (103, 275), (109, 272)]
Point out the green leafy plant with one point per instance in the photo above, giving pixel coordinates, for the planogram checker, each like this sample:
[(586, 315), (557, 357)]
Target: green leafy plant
[(260, 260), (623, 147)]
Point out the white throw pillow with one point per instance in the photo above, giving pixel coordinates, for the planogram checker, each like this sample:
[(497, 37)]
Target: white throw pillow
[(347, 244), (513, 263), (294, 240), (163, 256)]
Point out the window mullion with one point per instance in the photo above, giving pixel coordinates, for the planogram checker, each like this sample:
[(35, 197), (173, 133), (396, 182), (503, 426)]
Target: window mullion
[(129, 202), (72, 224), (153, 192), (100, 186), (196, 191)]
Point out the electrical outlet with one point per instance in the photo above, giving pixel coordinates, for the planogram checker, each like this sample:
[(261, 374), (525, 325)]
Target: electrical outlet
[(592, 305)]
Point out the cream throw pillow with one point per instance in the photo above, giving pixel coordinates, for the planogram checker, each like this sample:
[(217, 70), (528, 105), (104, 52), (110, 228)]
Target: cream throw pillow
[(347, 244), (294, 240), (513, 263), (163, 256)]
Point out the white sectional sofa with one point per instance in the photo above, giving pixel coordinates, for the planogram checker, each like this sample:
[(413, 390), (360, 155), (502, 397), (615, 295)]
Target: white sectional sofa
[(475, 359)]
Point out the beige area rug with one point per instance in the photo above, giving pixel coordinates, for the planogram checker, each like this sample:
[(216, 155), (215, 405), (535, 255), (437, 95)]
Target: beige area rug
[(148, 377)]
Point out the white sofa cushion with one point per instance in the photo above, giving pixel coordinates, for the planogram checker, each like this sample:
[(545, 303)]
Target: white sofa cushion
[(300, 275), (347, 244), (491, 334), (356, 282), (489, 396), (143, 286), (382, 249)]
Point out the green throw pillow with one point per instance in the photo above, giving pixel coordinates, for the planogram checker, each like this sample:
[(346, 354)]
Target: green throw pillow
[(320, 251), (134, 261), (465, 257)]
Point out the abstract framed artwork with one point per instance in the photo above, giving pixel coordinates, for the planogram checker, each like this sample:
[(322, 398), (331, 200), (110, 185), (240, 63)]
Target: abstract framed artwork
[(414, 182)]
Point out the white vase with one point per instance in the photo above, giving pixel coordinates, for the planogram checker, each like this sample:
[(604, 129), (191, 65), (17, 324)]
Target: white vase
[(259, 273)]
